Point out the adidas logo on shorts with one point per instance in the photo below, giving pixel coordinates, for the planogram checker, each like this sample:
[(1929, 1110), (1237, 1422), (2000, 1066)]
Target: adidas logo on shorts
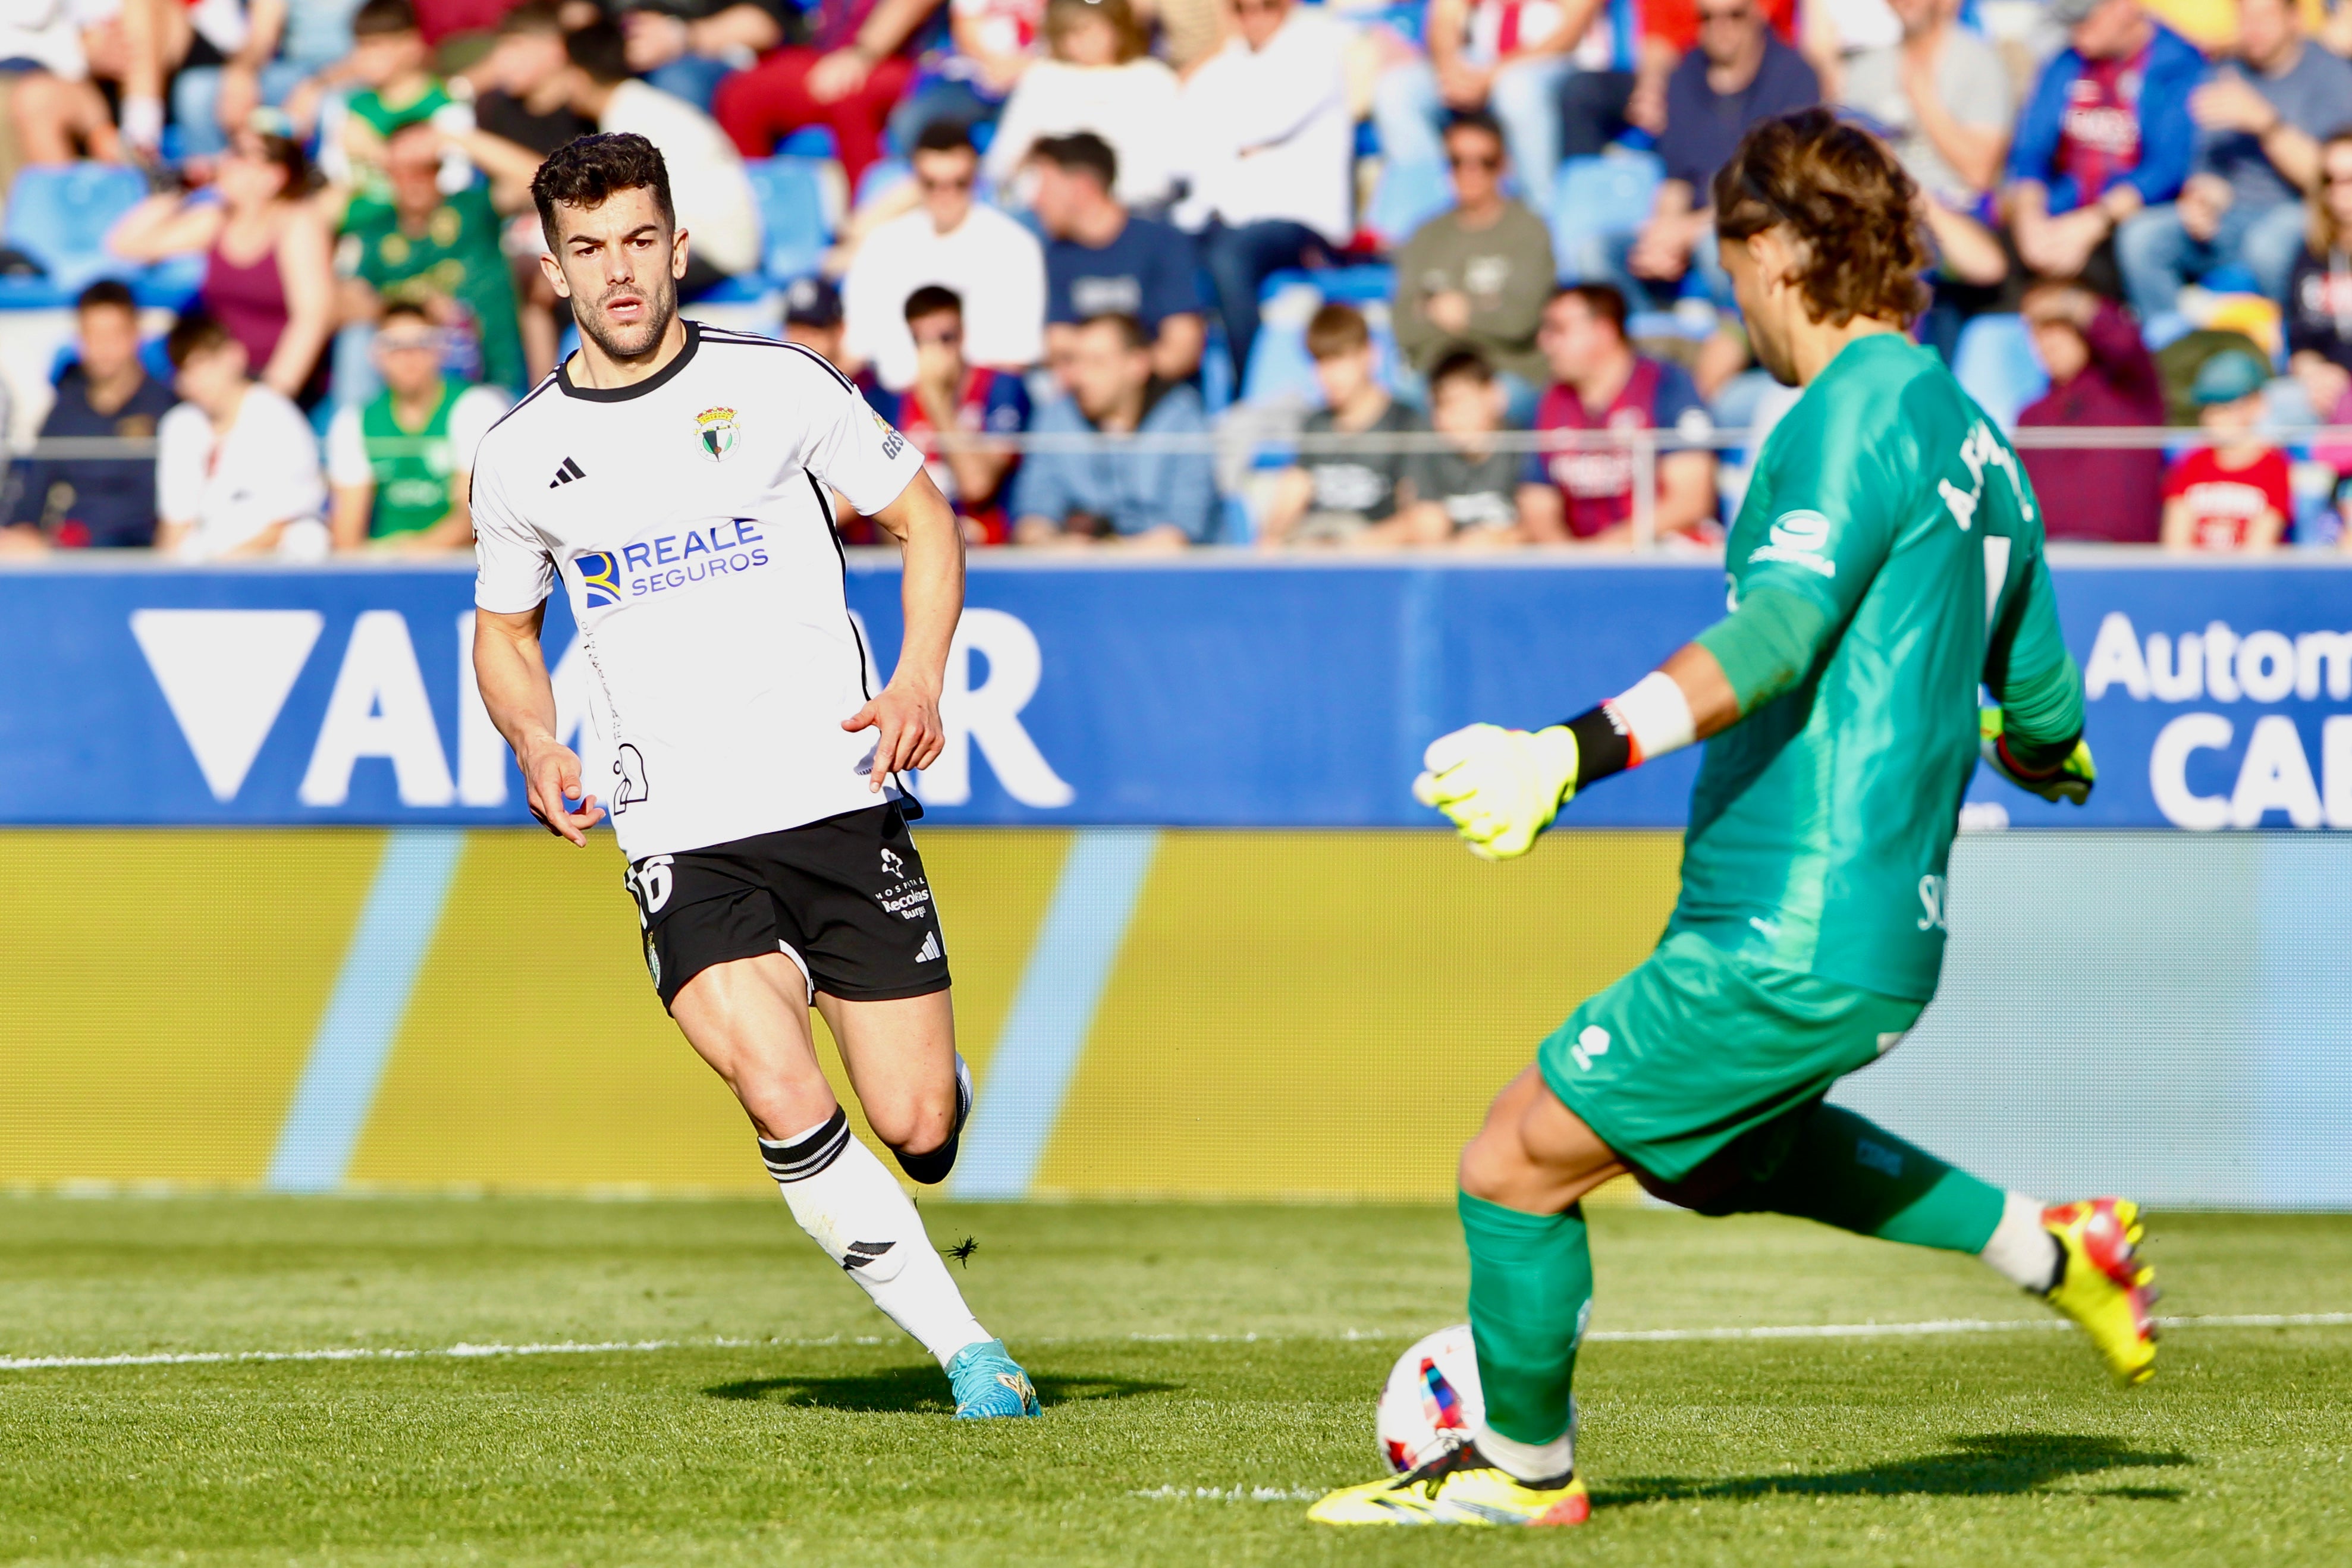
[(930, 951)]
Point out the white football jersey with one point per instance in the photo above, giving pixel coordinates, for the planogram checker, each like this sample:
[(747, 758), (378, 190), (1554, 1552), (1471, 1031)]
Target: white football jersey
[(687, 517)]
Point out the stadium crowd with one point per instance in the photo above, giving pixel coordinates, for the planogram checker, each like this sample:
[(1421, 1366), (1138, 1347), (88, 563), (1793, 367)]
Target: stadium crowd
[(296, 246)]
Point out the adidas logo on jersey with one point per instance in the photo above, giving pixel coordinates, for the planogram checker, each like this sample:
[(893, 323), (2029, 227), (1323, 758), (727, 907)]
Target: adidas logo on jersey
[(568, 473), (930, 952)]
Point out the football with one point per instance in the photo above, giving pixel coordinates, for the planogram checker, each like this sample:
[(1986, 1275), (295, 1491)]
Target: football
[(1432, 1401)]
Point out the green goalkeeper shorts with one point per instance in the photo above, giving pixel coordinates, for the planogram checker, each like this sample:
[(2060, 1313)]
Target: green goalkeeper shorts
[(1696, 1047)]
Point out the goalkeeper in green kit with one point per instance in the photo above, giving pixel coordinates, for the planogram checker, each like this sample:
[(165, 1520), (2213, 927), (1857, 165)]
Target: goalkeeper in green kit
[(1887, 559)]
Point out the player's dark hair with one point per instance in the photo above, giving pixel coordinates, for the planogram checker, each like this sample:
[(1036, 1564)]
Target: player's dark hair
[(587, 172), (945, 136), (106, 294), (196, 333), (1337, 329), (1461, 365), (1479, 119), (1605, 300), (1080, 152), (384, 19), (932, 299), (1845, 200), (408, 307), (600, 50)]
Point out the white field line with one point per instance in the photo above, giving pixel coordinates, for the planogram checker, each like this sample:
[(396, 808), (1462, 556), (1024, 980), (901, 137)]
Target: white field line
[(1644, 1336)]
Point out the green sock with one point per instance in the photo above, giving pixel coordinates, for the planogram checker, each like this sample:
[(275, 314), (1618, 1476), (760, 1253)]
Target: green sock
[(1847, 1171), (1530, 1292)]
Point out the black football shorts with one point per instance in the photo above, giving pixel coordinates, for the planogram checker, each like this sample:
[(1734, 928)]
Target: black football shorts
[(844, 899)]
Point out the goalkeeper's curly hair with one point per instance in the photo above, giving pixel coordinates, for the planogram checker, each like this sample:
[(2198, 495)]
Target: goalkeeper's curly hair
[(1846, 202)]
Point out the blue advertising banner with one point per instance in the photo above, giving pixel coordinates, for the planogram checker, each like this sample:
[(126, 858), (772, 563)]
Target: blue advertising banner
[(1211, 691)]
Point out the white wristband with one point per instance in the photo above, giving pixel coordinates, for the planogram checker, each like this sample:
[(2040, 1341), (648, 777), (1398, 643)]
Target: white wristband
[(1656, 716)]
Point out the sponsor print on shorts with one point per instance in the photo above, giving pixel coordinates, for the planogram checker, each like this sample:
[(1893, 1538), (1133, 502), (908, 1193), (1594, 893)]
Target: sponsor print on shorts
[(907, 898), (1592, 1041)]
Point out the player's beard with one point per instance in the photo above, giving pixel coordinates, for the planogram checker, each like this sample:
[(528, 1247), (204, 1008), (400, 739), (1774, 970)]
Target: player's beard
[(633, 342)]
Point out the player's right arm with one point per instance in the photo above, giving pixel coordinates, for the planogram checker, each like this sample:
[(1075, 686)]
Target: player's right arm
[(514, 576), (1829, 471)]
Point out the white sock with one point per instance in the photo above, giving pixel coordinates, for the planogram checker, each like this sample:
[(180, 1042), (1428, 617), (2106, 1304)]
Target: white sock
[(2021, 1251), (1531, 1461), (853, 1208)]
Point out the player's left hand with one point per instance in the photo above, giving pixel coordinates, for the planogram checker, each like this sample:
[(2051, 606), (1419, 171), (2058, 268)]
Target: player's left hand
[(909, 733), (2071, 780), (1499, 787)]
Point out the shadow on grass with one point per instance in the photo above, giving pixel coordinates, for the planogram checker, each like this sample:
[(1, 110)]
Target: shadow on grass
[(917, 1390), (1999, 1465)]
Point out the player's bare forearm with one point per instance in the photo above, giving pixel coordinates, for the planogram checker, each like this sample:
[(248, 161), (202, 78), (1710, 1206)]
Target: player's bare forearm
[(1715, 707), (906, 716), (511, 671)]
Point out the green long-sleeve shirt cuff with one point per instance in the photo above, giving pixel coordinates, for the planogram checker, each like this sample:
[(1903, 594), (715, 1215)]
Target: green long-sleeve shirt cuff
[(1767, 645), (2041, 714)]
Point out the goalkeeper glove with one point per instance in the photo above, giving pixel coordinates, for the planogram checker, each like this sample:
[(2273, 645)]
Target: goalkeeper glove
[(2070, 780), (1499, 787)]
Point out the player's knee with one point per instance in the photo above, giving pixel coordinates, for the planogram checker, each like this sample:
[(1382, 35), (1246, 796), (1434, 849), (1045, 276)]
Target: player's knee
[(1489, 1165), (915, 1126)]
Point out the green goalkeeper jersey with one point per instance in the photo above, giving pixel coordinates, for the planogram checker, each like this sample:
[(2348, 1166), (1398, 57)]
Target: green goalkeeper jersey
[(1890, 547)]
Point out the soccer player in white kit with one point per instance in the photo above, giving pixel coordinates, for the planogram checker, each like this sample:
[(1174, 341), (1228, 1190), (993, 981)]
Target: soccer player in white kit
[(674, 477)]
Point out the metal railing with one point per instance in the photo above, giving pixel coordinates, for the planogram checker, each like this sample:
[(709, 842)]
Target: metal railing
[(1250, 442)]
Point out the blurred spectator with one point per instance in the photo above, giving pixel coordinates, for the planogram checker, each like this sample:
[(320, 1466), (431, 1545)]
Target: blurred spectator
[(230, 68), (269, 277), (1103, 260), (1264, 130), (1344, 497), (2319, 293), (813, 320), (441, 253), (400, 468), (685, 47), (1111, 495), (2261, 120), (1740, 73), (707, 186), (523, 102), (103, 503), (1600, 104), (994, 266), (858, 64), (2234, 494), (1100, 81), (237, 466), (1477, 275), (55, 109), (1599, 383), (1503, 58), (957, 398), (1467, 493), (2100, 375), (1941, 97), (389, 86), (2107, 133), (992, 45)]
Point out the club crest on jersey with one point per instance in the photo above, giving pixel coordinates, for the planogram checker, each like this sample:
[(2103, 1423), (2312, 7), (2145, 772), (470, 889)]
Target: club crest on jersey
[(600, 578), (715, 429)]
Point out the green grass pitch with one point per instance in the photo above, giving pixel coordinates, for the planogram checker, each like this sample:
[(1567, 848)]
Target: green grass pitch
[(1203, 1369)]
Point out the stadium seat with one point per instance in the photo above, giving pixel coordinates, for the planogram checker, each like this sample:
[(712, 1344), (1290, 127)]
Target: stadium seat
[(1408, 195), (1596, 200), (791, 193), (882, 176), (60, 217), (1995, 361), (809, 142)]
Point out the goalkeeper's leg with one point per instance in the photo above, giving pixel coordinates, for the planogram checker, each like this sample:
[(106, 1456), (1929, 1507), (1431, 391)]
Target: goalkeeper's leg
[(1845, 1170)]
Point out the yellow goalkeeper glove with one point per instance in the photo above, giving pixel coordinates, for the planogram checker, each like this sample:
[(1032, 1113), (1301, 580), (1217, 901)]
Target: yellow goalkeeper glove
[(2070, 780), (1499, 787)]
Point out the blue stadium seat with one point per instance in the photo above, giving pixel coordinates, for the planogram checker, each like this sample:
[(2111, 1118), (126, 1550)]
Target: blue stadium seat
[(1362, 284), (882, 175), (1408, 195), (60, 217), (792, 216), (1596, 200), (809, 142), (1994, 359)]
